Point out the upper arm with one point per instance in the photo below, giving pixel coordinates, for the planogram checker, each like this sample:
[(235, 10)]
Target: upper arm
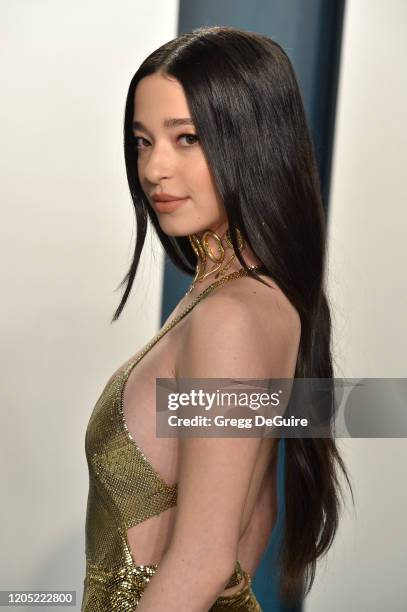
[(225, 341)]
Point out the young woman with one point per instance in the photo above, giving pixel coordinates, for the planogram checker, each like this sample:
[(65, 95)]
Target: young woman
[(220, 160)]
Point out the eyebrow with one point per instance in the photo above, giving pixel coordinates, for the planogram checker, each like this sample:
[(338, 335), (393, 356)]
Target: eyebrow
[(169, 123)]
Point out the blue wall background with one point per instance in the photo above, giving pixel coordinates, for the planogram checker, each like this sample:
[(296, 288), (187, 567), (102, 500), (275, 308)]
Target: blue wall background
[(310, 31)]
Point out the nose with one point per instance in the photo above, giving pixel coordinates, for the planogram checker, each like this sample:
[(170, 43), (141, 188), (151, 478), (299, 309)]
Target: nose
[(157, 163)]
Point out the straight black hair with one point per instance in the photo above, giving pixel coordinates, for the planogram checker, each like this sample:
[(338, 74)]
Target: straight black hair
[(249, 117)]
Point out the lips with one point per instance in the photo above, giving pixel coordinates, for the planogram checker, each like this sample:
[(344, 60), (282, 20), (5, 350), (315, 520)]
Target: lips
[(164, 206), (164, 197)]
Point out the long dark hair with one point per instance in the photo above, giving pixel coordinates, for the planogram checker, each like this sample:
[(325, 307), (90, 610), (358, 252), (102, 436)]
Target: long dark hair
[(249, 118)]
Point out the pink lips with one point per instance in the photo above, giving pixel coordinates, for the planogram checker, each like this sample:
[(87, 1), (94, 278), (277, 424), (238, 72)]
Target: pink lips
[(168, 205)]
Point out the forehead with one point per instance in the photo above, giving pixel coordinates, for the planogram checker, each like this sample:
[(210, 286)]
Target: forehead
[(158, 95)]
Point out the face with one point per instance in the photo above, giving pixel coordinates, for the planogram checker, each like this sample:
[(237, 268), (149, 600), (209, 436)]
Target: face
[(171, 160)]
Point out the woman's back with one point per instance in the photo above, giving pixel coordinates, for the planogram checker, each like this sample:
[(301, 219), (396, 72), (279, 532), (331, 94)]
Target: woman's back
[(148, 541), (134, 475)]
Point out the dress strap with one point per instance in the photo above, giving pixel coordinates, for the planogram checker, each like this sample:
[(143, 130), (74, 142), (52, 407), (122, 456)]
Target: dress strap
[(236, 577)]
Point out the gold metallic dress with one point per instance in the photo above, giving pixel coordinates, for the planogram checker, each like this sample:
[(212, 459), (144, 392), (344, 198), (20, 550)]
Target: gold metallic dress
[(125, 490)]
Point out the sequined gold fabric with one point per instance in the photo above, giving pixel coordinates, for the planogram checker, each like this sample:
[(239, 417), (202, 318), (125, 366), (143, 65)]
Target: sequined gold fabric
[(125, 490)]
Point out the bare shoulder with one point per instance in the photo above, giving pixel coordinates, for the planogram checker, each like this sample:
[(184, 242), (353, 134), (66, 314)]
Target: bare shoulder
[(243, 328), (245, 301), (264, 302)]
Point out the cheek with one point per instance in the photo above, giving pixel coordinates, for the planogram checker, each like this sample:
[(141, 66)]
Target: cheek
[(140, 173), (144, 183), (203, 178)]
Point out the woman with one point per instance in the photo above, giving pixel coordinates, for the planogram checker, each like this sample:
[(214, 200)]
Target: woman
[(219, 158)]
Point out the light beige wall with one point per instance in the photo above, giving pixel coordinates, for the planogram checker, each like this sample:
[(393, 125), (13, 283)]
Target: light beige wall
[(66, 235), (67, 232), (365, 570)]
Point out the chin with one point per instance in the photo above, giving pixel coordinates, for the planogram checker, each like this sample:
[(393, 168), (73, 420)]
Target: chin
[(176, 227)]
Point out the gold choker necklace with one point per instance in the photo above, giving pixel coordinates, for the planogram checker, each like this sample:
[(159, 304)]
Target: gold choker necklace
[(204, 252)]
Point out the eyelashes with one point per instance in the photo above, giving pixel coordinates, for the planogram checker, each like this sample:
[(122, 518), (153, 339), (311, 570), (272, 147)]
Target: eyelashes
[(136, 141), (194, 136)]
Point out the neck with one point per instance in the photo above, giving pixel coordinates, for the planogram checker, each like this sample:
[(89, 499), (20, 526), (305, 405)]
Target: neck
[(215, 255)]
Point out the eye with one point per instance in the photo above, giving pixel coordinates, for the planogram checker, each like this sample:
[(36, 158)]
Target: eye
[(139, 141), (135, 140), (193, 136)]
